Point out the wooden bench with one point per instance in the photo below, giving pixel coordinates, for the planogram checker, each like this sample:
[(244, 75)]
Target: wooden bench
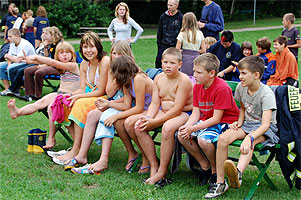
[(101, 31)]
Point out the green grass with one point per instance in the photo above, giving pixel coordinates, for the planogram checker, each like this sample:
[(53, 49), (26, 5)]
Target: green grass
[(28, 176)]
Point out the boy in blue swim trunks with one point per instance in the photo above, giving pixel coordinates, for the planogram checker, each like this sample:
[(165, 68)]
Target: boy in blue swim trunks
[(213, 109)]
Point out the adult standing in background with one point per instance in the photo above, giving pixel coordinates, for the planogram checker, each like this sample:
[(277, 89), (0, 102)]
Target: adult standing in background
[(123, 24), (212, 20), (169, 26), (3, 21)]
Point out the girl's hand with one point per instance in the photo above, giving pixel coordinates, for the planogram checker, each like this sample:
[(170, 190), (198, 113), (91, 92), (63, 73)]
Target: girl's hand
[(246, 145), (102, 103), (110, 121), (73, 99), (130, 41), (235, 125)]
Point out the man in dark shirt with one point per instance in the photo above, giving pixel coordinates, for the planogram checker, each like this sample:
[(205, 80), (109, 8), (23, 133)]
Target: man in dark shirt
[(169, 26), (3, 21)]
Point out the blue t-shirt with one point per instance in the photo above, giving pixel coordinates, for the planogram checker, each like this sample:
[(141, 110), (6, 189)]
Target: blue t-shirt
[(40, 23), (225, 56), (10, 23)]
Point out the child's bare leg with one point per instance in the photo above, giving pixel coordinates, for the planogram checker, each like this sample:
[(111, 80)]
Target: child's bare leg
[(88, 135), (167, 146), (119, 126), (224, 140), (30, 108), (209, 150), (129, 126), (244, 159), (78, 133), (52, 130), (103, 161), (194, 149), (148, 146)]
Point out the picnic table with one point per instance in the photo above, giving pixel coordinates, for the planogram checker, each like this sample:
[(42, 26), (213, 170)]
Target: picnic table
[(101, 31)]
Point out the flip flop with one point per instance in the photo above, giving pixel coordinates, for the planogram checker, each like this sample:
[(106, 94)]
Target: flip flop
[(71, 164), (163, 182), (130, 163), (84, 170), (143, 168)]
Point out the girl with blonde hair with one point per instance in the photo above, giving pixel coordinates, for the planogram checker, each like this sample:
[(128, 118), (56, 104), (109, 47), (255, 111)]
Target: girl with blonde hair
[(122, 25), (189, 40)]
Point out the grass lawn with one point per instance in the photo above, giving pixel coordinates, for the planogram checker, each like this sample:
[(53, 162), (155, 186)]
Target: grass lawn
[(28, 176)]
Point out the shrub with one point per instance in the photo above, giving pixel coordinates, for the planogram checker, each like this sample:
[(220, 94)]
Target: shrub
[(69, 15)]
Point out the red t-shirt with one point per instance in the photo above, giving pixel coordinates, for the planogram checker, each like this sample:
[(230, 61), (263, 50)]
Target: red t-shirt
[(217, 97)]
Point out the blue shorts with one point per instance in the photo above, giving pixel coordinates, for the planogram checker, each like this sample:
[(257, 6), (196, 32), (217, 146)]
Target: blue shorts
[(211, 133)]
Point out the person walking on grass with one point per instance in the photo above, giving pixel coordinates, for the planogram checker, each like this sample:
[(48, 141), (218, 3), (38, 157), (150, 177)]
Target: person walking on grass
[(256, 124), (122, 25)]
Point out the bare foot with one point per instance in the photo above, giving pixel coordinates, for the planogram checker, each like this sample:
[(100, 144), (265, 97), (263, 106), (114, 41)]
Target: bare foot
[(50, 144), (68, 156), (131, 161), (154, 179), (99, 166), (13, 110), (81, 160)]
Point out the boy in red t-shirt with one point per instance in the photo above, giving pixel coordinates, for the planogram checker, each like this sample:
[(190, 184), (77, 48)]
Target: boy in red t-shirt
[(214, 109)]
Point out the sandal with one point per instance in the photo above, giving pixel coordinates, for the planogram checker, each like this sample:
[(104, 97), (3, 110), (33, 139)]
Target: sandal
[(163, 182), (130, 163), (84, 170), (141, 170), (71, 164)]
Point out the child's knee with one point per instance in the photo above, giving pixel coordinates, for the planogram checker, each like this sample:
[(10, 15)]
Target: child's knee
[(129, 123)]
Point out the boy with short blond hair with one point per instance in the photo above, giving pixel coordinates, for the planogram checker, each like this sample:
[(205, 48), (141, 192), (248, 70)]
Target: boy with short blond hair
[(264, 51), (213, 109), (256, 124), (292, 33), (287, 67), (170, 107)]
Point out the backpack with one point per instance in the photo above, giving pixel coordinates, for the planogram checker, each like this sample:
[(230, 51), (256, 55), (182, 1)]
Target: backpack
[(4, 50), (153, 72)]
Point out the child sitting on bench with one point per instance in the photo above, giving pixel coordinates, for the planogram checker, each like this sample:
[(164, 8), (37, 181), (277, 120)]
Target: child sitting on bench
[(256, 124)]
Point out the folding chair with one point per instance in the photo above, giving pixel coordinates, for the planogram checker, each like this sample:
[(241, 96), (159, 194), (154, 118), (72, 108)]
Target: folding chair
[(262, 167)]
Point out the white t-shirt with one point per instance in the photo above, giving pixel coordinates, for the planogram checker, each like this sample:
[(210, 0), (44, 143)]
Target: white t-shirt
[(18, 23), (190, 46), (23, 45)]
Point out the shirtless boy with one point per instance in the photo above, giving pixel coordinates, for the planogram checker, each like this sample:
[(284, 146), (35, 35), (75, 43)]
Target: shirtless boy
[(171, 100)]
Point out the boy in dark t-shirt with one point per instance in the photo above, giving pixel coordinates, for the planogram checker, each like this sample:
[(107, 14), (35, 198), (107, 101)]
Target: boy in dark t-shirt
[(292, 33)]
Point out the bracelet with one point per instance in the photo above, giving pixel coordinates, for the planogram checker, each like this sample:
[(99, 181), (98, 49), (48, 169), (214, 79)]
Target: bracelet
[(252, 140)]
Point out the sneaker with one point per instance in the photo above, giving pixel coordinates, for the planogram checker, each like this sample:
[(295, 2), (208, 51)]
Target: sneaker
[(212, 180), (204, 176), (234, 175), (58, 162), (12, 94), (84, 170), (5, 92), (58, 153), (217, 189)]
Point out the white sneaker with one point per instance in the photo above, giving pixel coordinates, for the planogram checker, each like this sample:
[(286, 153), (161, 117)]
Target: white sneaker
[(217, 189), (53, 154), (58, 161)]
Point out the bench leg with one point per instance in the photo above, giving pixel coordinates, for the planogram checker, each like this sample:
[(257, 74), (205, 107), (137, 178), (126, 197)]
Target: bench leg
[(263, 168), (60, 129), (49, 84)]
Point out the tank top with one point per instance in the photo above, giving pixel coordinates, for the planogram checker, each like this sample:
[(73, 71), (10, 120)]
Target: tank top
[(96, 77), (147, 99)]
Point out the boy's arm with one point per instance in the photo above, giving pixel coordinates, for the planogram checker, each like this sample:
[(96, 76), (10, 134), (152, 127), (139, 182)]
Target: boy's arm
[(297, 45), (247, 143), (13, 59), (155, 103), (215, 119), (241, 118)]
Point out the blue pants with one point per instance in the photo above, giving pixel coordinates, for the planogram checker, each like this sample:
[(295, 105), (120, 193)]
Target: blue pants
[(16, 76), (4, 69)]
